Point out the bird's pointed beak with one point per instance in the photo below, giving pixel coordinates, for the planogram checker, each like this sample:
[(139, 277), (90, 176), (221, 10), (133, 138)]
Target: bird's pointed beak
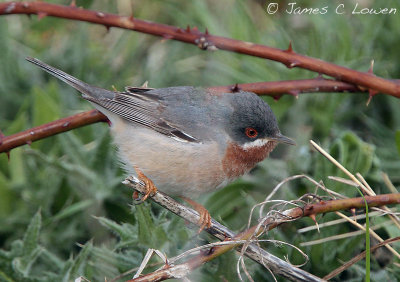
[(282, 139)]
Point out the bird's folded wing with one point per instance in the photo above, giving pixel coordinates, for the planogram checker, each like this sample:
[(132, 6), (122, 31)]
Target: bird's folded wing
[(139, 106)]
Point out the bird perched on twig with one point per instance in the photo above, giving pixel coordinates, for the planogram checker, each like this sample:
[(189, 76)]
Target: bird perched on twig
[(184, 140)]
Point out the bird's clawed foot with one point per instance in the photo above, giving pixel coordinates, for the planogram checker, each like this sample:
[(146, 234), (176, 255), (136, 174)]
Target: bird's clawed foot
[(150, 188), (205, 217)]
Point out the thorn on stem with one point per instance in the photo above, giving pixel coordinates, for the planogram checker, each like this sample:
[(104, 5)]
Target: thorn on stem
[(235, 88), (277, 97), (369, 100), (372, 93), (309, 208), (187, 29), (73, 3), (206, 32), (312, 216), (166, 263), (353, 212), (371, 67), (289, 49)]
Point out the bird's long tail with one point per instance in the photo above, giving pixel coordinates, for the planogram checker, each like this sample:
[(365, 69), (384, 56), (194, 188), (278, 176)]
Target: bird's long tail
[(89, 92)]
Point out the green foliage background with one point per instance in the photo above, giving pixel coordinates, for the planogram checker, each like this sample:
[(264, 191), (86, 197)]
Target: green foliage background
[(63, 209)]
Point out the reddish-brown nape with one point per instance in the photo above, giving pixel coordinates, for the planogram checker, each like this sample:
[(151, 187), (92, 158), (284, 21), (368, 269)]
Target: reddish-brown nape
[(237, 161)]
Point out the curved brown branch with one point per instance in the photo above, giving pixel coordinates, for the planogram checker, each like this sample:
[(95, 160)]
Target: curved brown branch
[(206, 41), (336, 205), (49, 129), (274, 89)]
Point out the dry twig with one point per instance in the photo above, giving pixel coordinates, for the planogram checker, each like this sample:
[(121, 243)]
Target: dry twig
[(253, 251)]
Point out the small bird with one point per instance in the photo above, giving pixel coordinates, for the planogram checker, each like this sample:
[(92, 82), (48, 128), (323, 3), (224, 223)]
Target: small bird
[(184, 141)]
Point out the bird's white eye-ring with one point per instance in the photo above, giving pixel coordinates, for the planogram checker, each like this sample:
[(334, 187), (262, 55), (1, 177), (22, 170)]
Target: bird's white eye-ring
[(251, 132)]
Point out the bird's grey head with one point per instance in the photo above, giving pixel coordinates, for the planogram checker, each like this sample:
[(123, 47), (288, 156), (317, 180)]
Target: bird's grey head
[(252, 123)]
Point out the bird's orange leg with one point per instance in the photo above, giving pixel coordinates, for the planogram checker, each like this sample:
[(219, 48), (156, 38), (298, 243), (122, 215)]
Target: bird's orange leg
[(150, 188), (205, 217)]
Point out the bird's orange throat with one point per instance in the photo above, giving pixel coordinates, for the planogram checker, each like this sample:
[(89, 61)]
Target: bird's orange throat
[(237, 160)]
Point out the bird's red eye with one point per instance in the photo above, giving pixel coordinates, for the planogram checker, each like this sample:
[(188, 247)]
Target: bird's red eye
[(251, 132)]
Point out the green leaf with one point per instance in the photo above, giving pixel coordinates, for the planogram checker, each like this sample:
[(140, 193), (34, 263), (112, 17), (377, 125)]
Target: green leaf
[(18, 124), (349, 150), (30, 248), (17, 168), (31, 238), (45, 104), (393, 232), (23, 264), (101, 154), (227, 203), (73, 209), (151, 234), (45, 109), (5, 277), (76, 268), (110, 263), (146, 225), (6, 197), (52, 260), (398, 141), (125, 231), (73, 147)]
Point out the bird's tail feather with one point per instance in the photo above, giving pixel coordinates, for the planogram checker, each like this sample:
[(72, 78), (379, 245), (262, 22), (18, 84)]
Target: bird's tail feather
[(89, 92)]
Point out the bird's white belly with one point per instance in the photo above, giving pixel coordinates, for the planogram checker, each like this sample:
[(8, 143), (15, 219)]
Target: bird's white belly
[(176, 168)]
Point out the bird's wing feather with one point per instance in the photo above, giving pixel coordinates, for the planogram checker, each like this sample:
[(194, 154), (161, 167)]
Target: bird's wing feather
[(138, 105)]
